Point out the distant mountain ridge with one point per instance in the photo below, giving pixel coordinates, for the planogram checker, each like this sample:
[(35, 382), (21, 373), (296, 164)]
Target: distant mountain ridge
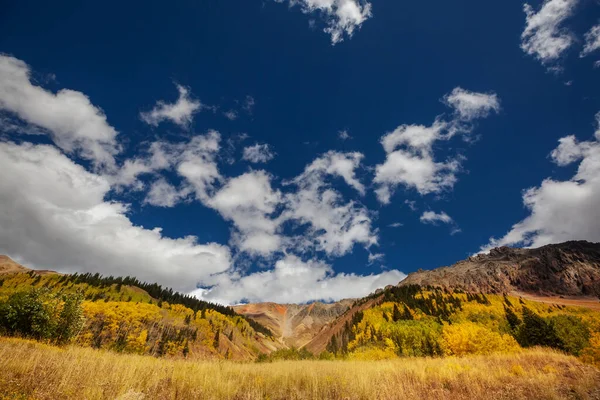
[(294, 324), (569, 269), (566, 269)]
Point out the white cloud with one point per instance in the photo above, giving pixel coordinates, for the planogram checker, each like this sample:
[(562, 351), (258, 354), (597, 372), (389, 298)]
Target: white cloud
[(562, 210), (344, 135), (430, 217), (336, 164), (471, 105), (413, 164), (196, 162), (333, 226), (163, 194), (374, 257), (544, 37), (55, 216), (68, 116), (592, 41), (250, 202), (410, 160), (181, 112), (259, 153), (296, 281), (231, 115), (411, 204), (343, 17), (396, 225)]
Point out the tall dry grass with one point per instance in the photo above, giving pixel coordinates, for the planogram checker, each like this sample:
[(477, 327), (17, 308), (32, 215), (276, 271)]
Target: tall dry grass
[(30, 370)]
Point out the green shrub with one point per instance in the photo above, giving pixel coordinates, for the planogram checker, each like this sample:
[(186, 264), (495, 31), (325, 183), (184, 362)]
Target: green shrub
[(38, 314), (572, 332)]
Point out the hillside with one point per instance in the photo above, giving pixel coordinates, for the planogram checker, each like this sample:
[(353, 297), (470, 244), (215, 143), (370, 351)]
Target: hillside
[(8, 266), (125, 315), (566, 269), (294, 324), (562, 274)]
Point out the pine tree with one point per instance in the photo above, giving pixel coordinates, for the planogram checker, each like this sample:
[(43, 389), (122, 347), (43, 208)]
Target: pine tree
[(407, 315), (535, 331), (512, 318), (396, 316), (216, 340)]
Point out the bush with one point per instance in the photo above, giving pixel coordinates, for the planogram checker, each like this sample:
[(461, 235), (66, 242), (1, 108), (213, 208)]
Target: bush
[(287, 354), (470, 338), (572, 332), (40, 315)]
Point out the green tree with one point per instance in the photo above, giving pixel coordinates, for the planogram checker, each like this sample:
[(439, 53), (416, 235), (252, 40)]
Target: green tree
[(71, 319), (536, 331), (407, 316), (572, 332), (396, 315), (26, 314), (512, 318)]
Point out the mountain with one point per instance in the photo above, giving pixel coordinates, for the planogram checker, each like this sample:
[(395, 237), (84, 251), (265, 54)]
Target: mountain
[(565, 269), (123, 313), (294, 324), (566, 273)]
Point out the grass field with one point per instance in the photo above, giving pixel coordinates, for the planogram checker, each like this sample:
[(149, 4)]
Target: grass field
[(31, 370)]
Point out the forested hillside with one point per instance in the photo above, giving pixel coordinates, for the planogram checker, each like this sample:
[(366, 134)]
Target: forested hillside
[(125, 315), (428, 321)]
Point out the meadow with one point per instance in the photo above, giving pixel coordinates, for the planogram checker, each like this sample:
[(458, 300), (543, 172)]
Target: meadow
[(33, 370)]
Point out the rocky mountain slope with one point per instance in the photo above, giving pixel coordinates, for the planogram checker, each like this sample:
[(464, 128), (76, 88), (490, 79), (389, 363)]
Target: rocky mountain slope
[(568, 269), (294, 324)]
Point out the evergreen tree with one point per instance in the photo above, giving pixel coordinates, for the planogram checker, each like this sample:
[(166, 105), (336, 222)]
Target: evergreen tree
[(407, 315), (512, 318), (536, 331), (216, 340), (396, 315)]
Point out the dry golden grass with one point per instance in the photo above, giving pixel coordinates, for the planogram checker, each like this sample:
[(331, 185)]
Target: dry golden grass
[(30, 370)]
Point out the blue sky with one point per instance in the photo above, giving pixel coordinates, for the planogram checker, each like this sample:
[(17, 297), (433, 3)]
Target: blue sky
[(270, 151)]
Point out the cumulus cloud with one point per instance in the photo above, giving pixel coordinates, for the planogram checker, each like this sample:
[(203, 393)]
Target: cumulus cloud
[(471, 105), (334, 225), (562, 210), (410, 160), (250, 202), (181, 112), (342, 17), (259, 153), (55, 216), (293, 280), (592, 41), (68, 117), (544, 37), (431, 217), (335, 163), (163, 194)]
